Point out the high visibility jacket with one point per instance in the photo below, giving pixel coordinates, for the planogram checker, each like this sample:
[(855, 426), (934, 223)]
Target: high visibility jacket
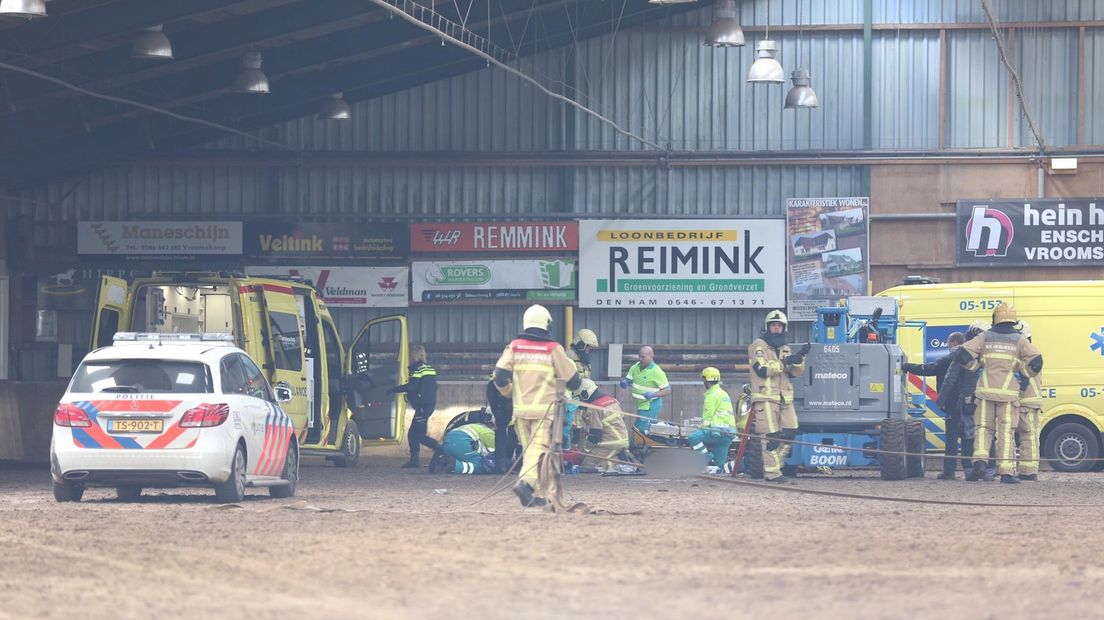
[(481, 434), (999, 354), (648, 379), (421, 389), (539, 369), (581, 367), (612, 422), (717, 409), (1031, 392), (776, 386)]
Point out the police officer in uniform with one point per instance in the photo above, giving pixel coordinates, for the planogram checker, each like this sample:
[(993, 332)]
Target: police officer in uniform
[(773, 364), (421, 393), (999, 353), (535, 369)]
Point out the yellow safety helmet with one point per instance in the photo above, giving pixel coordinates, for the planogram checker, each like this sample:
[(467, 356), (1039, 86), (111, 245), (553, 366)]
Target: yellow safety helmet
[(711, 374), (536, 316), (1023, 328), (587, 337), (586, 389), (776, 316), (1004, 313)]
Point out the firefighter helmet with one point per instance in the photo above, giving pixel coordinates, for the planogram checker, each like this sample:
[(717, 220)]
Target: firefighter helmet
[(587, 337), (711, 374), (1024, 328), (976, 328), (1004, 313), (775, 316), (586, 389), (536, 316)]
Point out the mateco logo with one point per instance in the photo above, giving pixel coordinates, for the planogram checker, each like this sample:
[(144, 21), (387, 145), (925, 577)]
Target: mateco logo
[(831, 375), (442, 237), (994, 226)]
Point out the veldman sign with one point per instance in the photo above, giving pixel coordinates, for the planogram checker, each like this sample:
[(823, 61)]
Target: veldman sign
[(159, 238), (682, 263), (349, 287), (1043, 232), (329, 242), (495, 237)]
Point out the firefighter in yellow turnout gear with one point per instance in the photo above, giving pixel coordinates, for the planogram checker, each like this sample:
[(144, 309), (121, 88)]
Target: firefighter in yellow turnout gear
[(999, 353), (607, 435), (585, 341), (718, 426), (772, 366), (1029, 407), (535, 369)]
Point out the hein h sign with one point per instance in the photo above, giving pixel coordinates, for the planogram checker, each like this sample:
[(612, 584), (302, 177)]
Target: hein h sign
[(1043, 232), (682, 263)]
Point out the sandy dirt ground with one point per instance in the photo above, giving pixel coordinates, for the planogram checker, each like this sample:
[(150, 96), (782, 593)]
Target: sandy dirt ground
[(700, 549)]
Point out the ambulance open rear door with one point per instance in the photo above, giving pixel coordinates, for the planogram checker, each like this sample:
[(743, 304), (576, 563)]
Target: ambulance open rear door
[(376, 361), (111, 311)]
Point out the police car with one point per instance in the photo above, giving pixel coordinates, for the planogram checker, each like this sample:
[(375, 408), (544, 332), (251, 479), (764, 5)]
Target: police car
[(172, 410)]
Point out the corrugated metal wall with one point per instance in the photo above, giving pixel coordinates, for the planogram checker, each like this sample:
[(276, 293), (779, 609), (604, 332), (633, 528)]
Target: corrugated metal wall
[(659, 81)]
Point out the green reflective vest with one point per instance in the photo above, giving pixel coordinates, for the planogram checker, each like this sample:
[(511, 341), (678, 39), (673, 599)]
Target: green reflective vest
[(717, 409)]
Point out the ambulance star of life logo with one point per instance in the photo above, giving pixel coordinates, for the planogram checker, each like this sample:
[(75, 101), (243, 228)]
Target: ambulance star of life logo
[(1098, 342), (992, 226), (388, 284)]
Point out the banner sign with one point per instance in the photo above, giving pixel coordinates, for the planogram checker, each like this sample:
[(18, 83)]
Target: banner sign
[(159, 238), (349, 287), (541, 237), (276, 241), (682, 263), (522, 281), (828, 251), (1041, 232)]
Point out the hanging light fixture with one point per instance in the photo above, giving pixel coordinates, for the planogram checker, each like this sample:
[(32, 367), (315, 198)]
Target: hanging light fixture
[(23, 8), (334, 108), (802, 94), (152, 44), (725, 31), (251, 79), (766, 70)]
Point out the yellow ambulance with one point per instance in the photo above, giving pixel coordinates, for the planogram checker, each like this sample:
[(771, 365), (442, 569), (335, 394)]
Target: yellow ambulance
[(340, 395), (1067, 325)]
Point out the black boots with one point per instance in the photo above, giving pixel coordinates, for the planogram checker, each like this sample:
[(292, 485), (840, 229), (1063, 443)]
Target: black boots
[(524, 491), (1009, 479), (981, 471), (1029, 477)]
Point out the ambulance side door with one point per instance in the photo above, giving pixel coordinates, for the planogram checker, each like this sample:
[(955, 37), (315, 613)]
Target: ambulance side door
[(283, 331), (111, 311), (376, 361)]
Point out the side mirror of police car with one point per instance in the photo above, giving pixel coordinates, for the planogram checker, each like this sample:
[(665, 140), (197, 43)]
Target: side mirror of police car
[(283, 392)]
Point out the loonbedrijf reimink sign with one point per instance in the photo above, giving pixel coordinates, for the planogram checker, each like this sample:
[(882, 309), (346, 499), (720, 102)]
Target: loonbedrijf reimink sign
[(682, 263), (1030, 232)]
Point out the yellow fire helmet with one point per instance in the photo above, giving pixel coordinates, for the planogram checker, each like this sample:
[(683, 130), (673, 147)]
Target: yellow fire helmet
[(1004, 313), (586, 389), (536, 316), (711, 374), (587, 337), (776, 316)]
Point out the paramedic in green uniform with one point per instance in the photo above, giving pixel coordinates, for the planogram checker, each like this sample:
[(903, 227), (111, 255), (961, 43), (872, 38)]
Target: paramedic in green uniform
[(649, 385)]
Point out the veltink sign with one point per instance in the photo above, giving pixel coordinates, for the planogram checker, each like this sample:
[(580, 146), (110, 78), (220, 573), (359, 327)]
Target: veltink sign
[(682, 263)]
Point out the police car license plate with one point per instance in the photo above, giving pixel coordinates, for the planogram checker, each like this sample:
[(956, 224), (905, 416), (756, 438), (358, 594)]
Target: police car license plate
[(138, 425)]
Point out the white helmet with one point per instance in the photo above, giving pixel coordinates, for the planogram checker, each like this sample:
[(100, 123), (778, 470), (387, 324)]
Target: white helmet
[(776, 316), (1024, 328), (587, 337), (586, 389), (536, 316)]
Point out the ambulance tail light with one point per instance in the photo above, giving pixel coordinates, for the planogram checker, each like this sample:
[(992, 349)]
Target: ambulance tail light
[(71, 416), (207, 414)]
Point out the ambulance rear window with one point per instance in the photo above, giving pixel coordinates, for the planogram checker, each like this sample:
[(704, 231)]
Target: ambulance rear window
[(143, 376)]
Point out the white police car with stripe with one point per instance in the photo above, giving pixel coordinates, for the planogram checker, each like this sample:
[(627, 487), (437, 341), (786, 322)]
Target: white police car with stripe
[(172, 410)]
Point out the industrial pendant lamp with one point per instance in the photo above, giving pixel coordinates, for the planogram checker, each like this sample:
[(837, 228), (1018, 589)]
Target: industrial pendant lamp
[(23, 8), (766, 69), (802, 94), (725, 31), (334, 108), (251, 79), (152, 44)]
